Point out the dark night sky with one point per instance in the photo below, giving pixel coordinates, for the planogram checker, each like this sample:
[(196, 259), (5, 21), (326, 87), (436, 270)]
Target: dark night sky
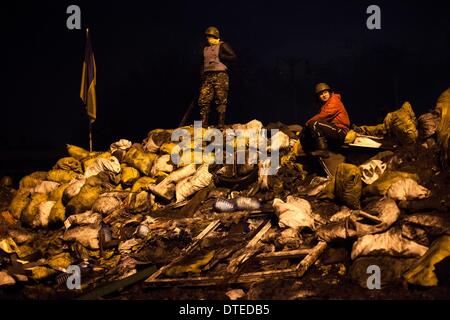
[(147, 63)]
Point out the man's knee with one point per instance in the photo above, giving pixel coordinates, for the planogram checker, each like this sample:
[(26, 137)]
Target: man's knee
[(222, 108), (204, 109), (314, 129)]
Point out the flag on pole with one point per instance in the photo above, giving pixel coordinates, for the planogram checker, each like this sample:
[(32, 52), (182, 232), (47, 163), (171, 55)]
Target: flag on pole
[(88, 80)]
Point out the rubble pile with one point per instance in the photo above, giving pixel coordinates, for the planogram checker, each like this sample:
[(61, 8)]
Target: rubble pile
[(116, 212)]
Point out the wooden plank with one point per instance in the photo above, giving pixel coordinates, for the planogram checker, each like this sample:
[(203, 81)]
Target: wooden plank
[(235, 264), (312, 257), (211, 227), (368, 216), (283, 254)]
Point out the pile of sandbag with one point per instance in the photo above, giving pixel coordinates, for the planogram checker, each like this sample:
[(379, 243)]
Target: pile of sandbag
[(400, 125)]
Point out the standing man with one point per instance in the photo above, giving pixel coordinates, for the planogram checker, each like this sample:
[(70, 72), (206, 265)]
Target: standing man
[(214, 75), (331, 124)]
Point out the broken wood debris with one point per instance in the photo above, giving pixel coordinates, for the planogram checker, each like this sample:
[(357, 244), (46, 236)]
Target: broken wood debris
[(295, 272)]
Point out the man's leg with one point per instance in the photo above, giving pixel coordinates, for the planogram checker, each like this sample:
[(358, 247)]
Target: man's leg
[(328, 131), (205, 98), (221, 86), (322, 131)]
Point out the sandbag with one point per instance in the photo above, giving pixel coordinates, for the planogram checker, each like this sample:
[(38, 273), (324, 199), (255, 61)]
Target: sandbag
[(350, 137), (57, 214), (45, 187), (119, 149), (295, 213), (138, 202), (182, 158), (348, 185), (155, 139), (122, 144), (44, 211), (165, 189), (263, 173), (162, 165), (407, 189), (103, 164), (58, 211), (443, 130), (143, 183), (402, 124), (289, 239), (61, 176), (279, 141), (187, 187), (32, 180), (106, 204), (60, 261), (382, 185), (169, 148), (376, 131), (86, 162), (83, 219), (297, 148), (85, 235), (30, 216), (70, 164), (137, 158), (74, 188), (84, 200), (428, 124), (251, 128), (19, 202), (182, 173), (77, 152), (107, 179), (349, 224), (425, 227), (129, 175), (388, 243), (422, 272), (6, 279)]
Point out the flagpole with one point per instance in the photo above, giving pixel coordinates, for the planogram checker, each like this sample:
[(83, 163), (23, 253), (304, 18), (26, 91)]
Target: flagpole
[(89, 118), (90, 135)]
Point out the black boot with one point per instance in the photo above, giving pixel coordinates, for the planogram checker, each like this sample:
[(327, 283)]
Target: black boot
[(221, 120), (321, 148)]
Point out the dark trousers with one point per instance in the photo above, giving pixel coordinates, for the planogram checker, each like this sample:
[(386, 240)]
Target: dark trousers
[(327, 130)]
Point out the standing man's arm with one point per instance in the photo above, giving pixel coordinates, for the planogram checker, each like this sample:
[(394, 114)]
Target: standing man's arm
[(226, 53)]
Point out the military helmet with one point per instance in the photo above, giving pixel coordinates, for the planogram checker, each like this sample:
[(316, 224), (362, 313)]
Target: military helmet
[(212, 31), (322, 87)]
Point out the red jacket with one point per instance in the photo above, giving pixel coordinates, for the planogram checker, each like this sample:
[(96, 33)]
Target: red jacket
[(333, 111)]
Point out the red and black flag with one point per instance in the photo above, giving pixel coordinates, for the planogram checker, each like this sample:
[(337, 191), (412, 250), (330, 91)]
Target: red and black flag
[(88, 80)]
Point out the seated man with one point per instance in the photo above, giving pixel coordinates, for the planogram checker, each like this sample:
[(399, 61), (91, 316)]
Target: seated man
[(331, 124)]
